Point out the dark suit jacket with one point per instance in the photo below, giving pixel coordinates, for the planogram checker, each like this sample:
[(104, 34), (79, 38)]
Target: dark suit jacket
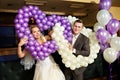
[(82, 45), (82, 48)]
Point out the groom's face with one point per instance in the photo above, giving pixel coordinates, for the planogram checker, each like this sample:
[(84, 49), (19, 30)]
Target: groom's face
[(77, 27)]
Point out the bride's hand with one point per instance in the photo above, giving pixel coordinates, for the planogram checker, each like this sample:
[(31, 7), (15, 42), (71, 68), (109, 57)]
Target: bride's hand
[(23, 41)]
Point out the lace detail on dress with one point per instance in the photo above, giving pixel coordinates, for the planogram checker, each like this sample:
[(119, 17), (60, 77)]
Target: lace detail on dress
[(28, 61)]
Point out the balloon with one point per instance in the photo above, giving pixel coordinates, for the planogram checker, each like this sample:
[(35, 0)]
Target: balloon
[(98, 26), (118, 54), (102, 36), (103, 17), (105, 4), (115, 43), (104, 46), (113, 26), (110, 55)]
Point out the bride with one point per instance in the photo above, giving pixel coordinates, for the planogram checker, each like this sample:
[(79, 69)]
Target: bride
[(45, 69)]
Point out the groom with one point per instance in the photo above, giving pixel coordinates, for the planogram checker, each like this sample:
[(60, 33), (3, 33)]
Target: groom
[(79, 46)]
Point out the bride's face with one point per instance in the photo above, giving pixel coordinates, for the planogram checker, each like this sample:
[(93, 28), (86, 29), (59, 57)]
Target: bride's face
[(36, 32)]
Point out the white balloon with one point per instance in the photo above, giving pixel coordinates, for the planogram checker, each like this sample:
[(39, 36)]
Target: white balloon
[(110, 55), (103, 17), (115, 43), (72, 67), (67, 64), (97, 26)]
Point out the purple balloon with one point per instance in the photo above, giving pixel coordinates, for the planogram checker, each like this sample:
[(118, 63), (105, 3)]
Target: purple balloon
[(27, 32), (20, 11), (20, 35), (30, 43), (37, 58), (34, 12), (39, 12), (30, 7), (36, 16), (118, 54), (25, 9), (36, 8), (25, 25), (38, 21), (34, 53), (105, 4), (42, 57), (20, 16), (32, 49), (44, 49), (102, 35), (22, 29), (26, 15), (104, 46), (40, 53), (21, 21), (51, 46), (113, 26), (46, 54), (17, 26)]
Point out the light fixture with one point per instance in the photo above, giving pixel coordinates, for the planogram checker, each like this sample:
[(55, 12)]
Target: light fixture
[(79, 14), (77, 5), (8, 10), (84, 1), (57, 13), (33, 2)]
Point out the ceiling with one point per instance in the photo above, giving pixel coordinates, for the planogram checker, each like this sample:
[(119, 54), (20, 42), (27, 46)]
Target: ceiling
[(83, 9)]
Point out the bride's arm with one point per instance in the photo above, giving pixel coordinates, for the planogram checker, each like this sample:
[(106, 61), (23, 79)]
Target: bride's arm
[(21, 53)]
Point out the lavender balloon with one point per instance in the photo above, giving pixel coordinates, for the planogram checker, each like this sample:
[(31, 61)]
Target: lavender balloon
[(113, 26), (105, 4), (104, 46), (102, 36)]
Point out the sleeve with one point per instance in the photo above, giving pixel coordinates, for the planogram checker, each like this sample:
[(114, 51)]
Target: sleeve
[(85, 50), (28, 61)]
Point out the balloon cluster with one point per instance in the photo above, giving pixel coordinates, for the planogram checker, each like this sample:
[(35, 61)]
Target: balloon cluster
[(106, 32), (44, 23)]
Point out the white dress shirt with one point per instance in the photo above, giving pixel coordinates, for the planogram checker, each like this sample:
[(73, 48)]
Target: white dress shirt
[(73, 41)]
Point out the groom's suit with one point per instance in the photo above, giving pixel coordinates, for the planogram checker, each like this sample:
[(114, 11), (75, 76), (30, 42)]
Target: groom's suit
[(82, 48)]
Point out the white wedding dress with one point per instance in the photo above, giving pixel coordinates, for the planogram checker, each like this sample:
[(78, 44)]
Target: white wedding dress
[(48, 70), (45, 69)]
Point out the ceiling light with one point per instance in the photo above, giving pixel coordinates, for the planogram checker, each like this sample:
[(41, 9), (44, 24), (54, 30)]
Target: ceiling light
[(57, 13), (79, 14), (8, 10), (32, 2), (85, 1)]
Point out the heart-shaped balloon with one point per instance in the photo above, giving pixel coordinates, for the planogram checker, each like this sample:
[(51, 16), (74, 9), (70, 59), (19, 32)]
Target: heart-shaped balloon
[(44, 23)]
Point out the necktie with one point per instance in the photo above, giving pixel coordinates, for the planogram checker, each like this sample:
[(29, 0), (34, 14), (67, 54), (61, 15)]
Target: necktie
[(73, 40)]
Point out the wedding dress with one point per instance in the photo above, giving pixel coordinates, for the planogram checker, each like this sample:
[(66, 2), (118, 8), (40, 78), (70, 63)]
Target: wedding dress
[(45, 69), (48, 70)]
